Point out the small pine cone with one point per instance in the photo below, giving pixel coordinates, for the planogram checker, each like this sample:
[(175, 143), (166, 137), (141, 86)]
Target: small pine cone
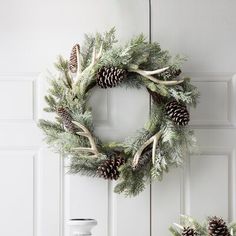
[(73, 59), (109, 168), (67, 120), (187, 231), (178, 113), (108, 77), (169, 74), (217, 227)]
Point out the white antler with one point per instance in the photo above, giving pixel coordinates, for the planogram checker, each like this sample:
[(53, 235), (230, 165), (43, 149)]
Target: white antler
[(154, 139), (148, 75), (93, 149), (153, 72), (88, 71), (232, 232), (95, 56), (179, 226)]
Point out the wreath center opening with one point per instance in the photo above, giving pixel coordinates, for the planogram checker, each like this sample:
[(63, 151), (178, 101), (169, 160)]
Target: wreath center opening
[(119, 112)]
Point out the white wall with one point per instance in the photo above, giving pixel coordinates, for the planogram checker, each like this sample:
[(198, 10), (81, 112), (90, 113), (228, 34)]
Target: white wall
[(32, 34)]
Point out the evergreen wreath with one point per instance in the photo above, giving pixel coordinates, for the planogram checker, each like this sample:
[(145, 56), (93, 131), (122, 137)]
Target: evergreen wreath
[(164, 140)]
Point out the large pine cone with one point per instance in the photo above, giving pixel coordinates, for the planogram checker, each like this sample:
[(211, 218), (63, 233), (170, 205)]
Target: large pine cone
[(73, 59), (67, 120), (108, 77), (187, 231), (109, 168), (169, 74), (217, 227), (178, 113)]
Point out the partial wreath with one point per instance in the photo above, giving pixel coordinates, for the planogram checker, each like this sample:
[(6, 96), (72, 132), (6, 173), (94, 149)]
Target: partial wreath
[(101, 62)]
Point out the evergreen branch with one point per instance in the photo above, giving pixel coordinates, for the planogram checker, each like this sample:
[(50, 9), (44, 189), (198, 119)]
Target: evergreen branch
[(51, 102), (62, 66), (132, 182), (84, 165), (174, 231), (47, 126)]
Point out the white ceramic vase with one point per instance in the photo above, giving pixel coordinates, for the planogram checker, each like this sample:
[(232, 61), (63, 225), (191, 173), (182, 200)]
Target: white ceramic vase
[(81, 227)]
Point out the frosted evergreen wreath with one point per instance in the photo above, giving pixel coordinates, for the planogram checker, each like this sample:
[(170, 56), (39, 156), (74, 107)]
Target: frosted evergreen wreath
[(165, 138)]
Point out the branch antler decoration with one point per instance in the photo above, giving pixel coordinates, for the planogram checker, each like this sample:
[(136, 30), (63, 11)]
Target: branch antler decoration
[(85, 76), (93, 149), (154, 140), (149, 75), (95, 58)]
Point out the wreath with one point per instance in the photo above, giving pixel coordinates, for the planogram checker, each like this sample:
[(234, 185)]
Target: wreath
[(100, 62)]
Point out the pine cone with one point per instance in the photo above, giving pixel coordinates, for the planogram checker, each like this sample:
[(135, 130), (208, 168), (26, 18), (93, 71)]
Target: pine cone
[(217, 227), (178, 113), (187, 231), (109, 168), (108, 77), (73, 59), (67, 120), (169, 74)]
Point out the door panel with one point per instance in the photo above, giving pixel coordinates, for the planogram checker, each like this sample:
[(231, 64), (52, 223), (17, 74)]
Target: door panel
[(204, 32)]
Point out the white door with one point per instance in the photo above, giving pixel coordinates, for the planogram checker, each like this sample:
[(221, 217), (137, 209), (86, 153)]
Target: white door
[(35, 198), (205, 32)]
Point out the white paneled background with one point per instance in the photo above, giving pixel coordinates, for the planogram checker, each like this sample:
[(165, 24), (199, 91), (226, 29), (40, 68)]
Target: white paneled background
[(36, 199)]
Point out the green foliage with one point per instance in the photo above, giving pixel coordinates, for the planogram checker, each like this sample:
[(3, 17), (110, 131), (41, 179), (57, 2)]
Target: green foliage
[(200, 228), (156, 118), (137, 53), (73, 94), (84, 166), (107, 40), (174, 231), (62, 66), (132, 144), (186, 93), (132, 181), (232, 228)]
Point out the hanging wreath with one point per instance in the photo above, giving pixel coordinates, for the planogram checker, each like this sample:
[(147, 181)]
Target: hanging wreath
[(162, 142)]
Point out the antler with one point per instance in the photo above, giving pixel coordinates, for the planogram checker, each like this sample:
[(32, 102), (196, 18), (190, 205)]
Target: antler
[(154, 139), (232, 231), (93, 149), (179, 226), (88, 71), (148, 75), (95, 57)]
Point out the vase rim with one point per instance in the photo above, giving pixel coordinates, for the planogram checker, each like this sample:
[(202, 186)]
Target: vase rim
[(82, 221)]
